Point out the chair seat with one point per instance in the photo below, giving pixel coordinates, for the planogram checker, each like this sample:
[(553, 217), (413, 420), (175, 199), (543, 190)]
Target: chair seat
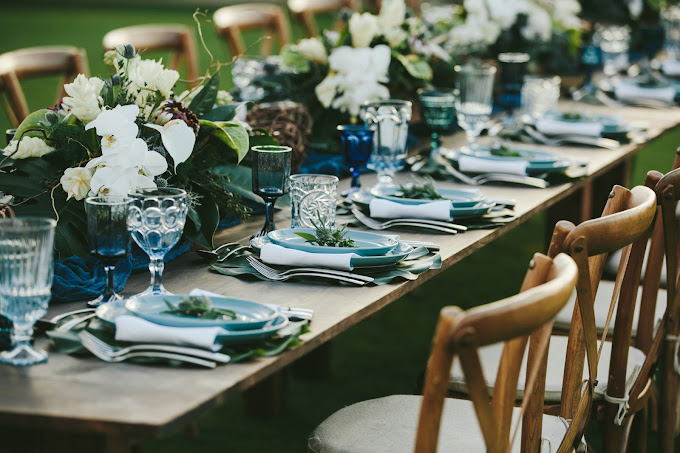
[(247, 15), (300, 6), (389, 425), (490, 357), (602, 300)]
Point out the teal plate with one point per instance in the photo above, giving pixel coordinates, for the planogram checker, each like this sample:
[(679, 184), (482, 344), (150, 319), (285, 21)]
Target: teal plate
[(363, 199), (108, 312), (368, 244), (459, 198), (611, 124), (399, 253), (249, 315), (539, 161)]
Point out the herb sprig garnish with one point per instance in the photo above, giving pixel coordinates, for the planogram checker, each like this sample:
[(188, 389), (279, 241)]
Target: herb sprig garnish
[(424, 191), (502, 150), (327, 237), (198, 307), (572, 116)]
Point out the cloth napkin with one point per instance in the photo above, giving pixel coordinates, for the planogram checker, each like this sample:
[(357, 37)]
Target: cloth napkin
[(134, 329), (550, 126), (671, 67), (291, 312), (628, 91), (282, 256), (386, 209), (472, 164)]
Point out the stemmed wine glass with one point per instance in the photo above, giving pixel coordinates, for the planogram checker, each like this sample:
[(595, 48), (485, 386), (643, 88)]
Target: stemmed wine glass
[(474, 101), (439, 110), (26, 271), (357, 145), (157, 218), (108, 236), (271, 169)]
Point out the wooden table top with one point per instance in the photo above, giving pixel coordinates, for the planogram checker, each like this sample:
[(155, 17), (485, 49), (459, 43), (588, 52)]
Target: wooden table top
[(88, 395)]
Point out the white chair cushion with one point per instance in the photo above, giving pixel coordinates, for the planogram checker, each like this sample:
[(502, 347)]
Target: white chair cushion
[(490, 357), (389, 425), (602, 301), (611, 266)]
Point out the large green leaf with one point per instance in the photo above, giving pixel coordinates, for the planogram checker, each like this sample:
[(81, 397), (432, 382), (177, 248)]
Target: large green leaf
[(232, 133), (420, 69), (224, 112), (205, 99), (35, 120), (205, 218), (294, 59)]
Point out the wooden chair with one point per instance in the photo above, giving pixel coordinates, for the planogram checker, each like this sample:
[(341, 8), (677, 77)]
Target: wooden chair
[(626, 221), (35, 62), (400, 422), (177, 39), (305, 10), (231, 20), (413, 5)]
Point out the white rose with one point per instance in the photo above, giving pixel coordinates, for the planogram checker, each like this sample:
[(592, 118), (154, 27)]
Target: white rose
[(28, 147), (83, 98), (395, 37), (363, 28), (165, 80), (76, 182), (312, 49), (392, 14), (326, 90)]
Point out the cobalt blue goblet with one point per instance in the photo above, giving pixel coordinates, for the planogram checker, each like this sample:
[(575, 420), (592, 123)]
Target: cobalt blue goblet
[(357, 146)]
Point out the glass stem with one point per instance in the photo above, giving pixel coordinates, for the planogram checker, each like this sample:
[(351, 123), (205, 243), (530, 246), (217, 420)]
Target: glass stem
[(269, 214), (435, 142), (356, 184), (21, 333), (108, 290), (156, 266), (471, 137)]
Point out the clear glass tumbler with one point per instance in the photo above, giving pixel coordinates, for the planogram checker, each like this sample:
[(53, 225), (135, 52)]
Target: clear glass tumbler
[(26, 271), (540, 95), (669, 16), (157, 218), (390, 119), (313, 200), (475, 98)]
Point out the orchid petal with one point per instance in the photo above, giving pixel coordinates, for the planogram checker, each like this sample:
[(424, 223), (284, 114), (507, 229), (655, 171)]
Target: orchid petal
[(178, 140)]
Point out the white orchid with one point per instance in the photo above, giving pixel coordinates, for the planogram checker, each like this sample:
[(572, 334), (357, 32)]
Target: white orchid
[(539, 24), (84, 99), (178, 139), (363, 28), (118, 181), (76, 182), (326, 90), (395, 37), (116, 127), (28, 147), (312, 49)]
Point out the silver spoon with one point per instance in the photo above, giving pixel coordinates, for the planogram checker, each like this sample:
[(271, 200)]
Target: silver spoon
[(212, 255)]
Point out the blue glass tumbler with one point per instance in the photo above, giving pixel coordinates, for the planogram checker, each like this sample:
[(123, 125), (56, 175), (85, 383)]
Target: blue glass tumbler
[(357, 146)]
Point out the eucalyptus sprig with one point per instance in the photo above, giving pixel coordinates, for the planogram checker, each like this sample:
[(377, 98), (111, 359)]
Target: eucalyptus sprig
[(198, 307), (572, 116), (327, 237), (504, 151), (424, 191)]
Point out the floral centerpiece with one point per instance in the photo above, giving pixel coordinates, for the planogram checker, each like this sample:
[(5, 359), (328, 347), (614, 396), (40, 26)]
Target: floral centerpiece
[(373, 57), (111, 136)]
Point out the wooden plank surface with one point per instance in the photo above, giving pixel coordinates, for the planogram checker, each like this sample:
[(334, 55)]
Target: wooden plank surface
[(88, 395)]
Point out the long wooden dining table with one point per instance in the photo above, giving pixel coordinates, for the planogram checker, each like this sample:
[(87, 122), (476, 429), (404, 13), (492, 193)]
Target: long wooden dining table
[(119, 402)]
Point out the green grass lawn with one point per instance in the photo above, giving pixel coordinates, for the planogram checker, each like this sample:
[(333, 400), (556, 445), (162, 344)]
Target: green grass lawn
[(383, 355)]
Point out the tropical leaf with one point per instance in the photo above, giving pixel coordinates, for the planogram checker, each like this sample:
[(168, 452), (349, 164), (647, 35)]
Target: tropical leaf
[(232, 133), (420, 69), (205, 217), (205, 99), (224, 113)]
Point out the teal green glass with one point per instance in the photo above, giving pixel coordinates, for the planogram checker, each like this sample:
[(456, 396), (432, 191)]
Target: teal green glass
[(271, 169), (439, 110)]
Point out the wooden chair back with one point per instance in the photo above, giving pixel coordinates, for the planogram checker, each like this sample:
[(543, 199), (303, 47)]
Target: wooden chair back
[(231, 20), (305, 10), (36, 62), (177, 39), (545, 291), (625, 223), (413, 5)]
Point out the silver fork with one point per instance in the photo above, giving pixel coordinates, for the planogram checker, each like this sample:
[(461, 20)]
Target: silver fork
[(99, 353), (273, 274), (432, 225), (490, 177), (114, 351), (557, 140)]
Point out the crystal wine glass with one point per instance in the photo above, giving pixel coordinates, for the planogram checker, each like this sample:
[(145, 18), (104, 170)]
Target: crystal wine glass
[(157, 218), (474, 101), (357, 145), (439, 110), (109, 237), (271, 169), (390, 119), (26, 271)]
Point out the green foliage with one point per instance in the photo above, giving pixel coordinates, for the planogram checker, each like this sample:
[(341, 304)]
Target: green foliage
[(205, 99), (294, 59), (328, 237), (198, 307), (225, 112), (416, 67), (419, 192), (230, 133)]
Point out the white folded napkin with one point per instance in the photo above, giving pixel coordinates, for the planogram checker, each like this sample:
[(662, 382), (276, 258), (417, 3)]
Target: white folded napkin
[(302, 313), (386, 209), (671, 67), (474, 164), (134, 329), (551, 126), (282, 256), (631, 92)]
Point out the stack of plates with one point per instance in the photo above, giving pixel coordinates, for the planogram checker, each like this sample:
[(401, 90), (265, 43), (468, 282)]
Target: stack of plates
[(538, 162), (372, 249), (254, 321)]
